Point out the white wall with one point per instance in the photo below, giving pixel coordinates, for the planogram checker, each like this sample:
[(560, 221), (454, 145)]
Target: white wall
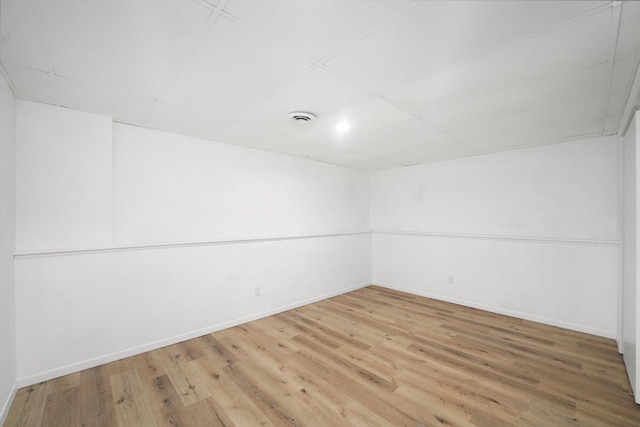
[(630, 296), (223, 220), (531, 232), (169, 188), (63, 178), (563, 191), (81, 310), (7, 246)]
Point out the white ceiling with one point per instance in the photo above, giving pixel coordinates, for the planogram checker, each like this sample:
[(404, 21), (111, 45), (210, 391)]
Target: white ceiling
[(418, 81)]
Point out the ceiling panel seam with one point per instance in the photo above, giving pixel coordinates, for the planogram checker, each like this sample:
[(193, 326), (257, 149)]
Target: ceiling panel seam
[(388, 20), (613, 43), (12, 87), (45, 48), (199, 39), (560, 140), (513, 89), (207, 5), (498, 48), (314, 63), (630, 106)]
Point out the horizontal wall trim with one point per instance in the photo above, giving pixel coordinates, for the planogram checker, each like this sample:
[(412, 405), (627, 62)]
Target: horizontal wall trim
[(6, 405), (506, 312), (171, 245), (101, 360), (502, 237)]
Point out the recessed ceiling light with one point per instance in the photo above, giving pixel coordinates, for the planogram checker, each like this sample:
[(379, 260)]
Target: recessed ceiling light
[(343, 127)]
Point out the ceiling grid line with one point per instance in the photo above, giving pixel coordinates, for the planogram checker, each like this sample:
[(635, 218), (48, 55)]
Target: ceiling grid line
[(390, 19), (497, 48), (4, 74), (631, 106), (207, 5), (322, 62), (3, 71), (316, 63), (202, 33), (516, 88), (46, 49), (418, 81), (616, 14)]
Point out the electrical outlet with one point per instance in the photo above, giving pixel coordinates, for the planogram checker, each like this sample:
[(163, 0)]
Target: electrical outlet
[(256, 291), (450, 280)]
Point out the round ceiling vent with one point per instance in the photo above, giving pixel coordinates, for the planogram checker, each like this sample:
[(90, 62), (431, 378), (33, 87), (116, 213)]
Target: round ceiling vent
[(301, 117)]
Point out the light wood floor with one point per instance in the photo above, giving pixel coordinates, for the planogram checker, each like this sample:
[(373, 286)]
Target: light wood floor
[(373, 357)]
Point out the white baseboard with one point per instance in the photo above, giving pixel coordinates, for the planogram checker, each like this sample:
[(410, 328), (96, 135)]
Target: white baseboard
[(97, 361), (6, 405), (499, 310)]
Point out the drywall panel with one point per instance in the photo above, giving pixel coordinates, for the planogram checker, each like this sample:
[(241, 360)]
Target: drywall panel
[(82, 310), (564, 190), (170, 188), (7, 246), (563, 284), (630, 300), (63, 178), (530, 232)]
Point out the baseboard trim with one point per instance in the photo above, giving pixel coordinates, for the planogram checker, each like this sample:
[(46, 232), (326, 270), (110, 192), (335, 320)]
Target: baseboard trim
[(97, 361), (506, 312), (4, 412)]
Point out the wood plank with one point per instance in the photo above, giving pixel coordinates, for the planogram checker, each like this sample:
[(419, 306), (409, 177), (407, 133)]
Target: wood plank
[(131, 404), (96, 407), (28, 406), (187, 384), (259, 394), (227, 395), (62, 408)]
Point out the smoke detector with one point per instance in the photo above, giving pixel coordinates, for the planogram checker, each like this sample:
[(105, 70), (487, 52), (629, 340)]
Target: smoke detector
[(301, 117)]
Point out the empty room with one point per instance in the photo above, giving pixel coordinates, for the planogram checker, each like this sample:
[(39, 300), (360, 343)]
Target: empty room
[(319, 213)]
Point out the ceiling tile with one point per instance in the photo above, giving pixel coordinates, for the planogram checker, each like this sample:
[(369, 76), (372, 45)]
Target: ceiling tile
[(416, 155), (314, 28), (366, 163), (318, 92), (536, 127), (20, 39), (197, 124), (339, 156), (492, 111), (439, 34), (629, 31), (562, 108), (584, 43), (407, 134), (455, 78), (137, 45), (623, 73), (232, 70), (611, 124), (112, 101), (32, 85), (362, 118), (534, 137), (287, 144), (239, 133)]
